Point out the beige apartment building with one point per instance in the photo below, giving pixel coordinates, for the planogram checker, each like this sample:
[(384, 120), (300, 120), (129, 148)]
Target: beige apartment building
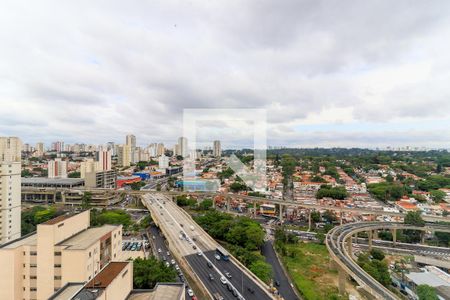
[(124, 155), (10, 188), (62, 250)]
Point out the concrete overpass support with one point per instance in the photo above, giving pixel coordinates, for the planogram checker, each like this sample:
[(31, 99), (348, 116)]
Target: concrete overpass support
[(375, 234), (254, 209), (349, 245), (342, 217), (394, 237), (281, 213), (370, 240), (309, 220), (228, 204)]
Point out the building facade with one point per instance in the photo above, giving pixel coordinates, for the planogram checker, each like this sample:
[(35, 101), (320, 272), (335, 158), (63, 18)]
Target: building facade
[(124, 155), (62, 250), (57, 168), (217, 149)]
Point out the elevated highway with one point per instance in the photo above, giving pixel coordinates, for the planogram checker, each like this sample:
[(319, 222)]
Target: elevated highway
[(251, 199), (339, 244), (173, 222)]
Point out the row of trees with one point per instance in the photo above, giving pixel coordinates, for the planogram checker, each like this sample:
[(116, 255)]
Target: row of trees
[(243, 237), (338, 192)]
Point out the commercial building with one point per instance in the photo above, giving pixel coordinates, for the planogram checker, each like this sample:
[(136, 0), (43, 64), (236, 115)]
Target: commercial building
[(98, 174), (101, 179), (10, 197), (124, 155), (122, 180), (42, 182), (57, 168), (62, 250), (217, 149)]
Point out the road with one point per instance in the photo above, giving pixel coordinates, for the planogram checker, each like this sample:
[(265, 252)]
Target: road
[(285, 289), (175, 221)]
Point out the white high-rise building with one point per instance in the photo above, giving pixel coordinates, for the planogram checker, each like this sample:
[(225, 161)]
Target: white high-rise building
[(131, 141), (217, 149), (183, 146), (10, 189), (58, 146), (124, 155), (57, 168), (163, 162)]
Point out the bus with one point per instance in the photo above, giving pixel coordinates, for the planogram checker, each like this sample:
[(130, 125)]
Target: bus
[(222, 253)]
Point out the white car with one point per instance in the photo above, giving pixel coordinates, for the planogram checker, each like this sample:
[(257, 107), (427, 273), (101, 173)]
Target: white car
[(159, 250), (199, 253), (223, 280), (168, 253), (217, 256), (177, 267), (167, 264), (190, 293), (172, 261)]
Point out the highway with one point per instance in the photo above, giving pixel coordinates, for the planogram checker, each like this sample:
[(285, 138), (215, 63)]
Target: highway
[(337, 244), (285, 289), (175, 221)]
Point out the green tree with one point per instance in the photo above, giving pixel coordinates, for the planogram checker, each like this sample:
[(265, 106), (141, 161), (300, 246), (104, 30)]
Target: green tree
[(377, 254), (426, 292), (437, 195), (414, 218), (148, 272), (86, 200), (205, 204), (26, 173), (74, 175), (262, 269)]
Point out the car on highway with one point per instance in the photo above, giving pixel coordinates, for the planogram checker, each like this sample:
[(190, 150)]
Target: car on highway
[(172, 261), (277, 283), (168, 253), (190, 292), (235, 293), (164, 258), (217, 296), (167, 264), (199, 253), (177, 267), (159, 250), (181, 225), (210, 276), (223, 280), (227, 274), (217, 256), (229, 287), (194, 247), (209, 264), (251, 290)]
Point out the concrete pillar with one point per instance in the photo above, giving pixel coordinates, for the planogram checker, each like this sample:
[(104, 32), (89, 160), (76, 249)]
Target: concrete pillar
[(254, 209), (342, 279), (228, 204), (342, 217), (309, 219), (422, 237), (370, 240), (349, 245), (281, 213), (394, 237), (375, 234)]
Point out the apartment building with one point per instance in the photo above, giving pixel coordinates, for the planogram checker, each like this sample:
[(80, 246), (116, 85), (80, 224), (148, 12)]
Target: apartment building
[(98, 173), (57, 168), (62, 250), (10, 188), (217, 149), (124, 155)]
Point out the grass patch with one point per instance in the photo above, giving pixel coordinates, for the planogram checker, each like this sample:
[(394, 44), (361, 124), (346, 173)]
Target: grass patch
[(308, 266)]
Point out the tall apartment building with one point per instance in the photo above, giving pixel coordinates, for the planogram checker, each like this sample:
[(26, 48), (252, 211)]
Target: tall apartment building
[(57, 168), (39, 152), (103, 160), (183, 146), (160, 149), (217, 149), (10, 149), (124, 155), (131, 141), (10, 188), (58, 146), (62, 250)]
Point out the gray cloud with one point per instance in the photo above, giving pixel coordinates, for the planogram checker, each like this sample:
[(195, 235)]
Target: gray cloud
[(93, 72)]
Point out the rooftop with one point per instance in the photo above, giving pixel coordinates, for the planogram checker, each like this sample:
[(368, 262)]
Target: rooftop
[(432, 276), (58, 219), (67, 291), (107, 275), (45, 180), (29, 239), (162, 291), (87, 237)]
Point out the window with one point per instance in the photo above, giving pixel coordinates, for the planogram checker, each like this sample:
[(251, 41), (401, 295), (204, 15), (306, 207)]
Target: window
[(33, 277), (57, 277), (33, 253), (58, 253), (33, 289), (33, 265), (57, 265)]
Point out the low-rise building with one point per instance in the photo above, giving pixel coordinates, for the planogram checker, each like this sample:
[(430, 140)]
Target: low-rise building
[(62, 250)]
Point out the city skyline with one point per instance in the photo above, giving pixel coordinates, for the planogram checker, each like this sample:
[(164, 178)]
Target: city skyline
[(327, 75)]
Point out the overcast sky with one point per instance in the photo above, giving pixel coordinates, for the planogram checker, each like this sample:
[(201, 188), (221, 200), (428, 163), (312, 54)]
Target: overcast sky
[(329, 73)]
